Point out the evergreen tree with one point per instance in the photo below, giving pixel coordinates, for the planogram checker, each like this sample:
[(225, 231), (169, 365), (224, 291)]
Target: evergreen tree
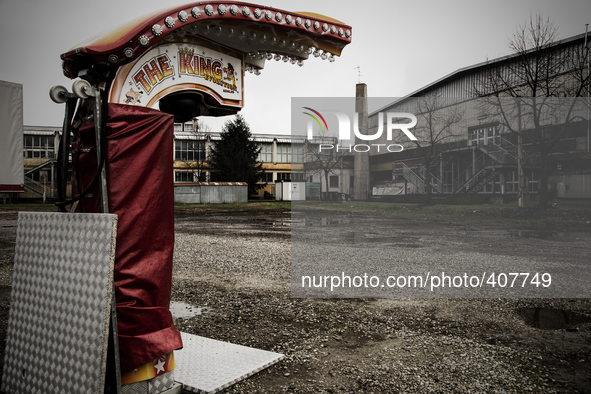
[(235, 156)]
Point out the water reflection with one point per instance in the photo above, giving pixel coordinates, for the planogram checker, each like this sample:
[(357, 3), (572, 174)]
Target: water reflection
[(181, 310), (564, 236)]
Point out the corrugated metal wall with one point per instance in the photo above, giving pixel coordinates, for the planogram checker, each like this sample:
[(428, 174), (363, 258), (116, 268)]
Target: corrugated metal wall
[(211, 193)]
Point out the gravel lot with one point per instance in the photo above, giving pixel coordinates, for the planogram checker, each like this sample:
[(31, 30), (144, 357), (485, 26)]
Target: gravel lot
[(236, 268)]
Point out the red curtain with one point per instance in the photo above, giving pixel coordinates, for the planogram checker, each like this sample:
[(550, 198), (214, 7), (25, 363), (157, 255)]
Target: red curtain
[(139, 157)]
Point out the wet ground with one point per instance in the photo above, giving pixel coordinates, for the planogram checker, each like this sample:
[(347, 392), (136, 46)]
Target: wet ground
[(232, 283), (385, 345)]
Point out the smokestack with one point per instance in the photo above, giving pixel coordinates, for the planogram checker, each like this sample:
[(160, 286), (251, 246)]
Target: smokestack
[(361, 187)]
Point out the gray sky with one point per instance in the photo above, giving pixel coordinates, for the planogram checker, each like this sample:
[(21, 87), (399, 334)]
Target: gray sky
[(400, 47)]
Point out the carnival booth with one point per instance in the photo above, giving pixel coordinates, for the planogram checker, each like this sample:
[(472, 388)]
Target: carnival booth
[(130, 85)]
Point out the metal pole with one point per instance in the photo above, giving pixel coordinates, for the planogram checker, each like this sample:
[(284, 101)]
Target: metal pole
[(588, 85), (98, 126), (519, 157), (113, 337)]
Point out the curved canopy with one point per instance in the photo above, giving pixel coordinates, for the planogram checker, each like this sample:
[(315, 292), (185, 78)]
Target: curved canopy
[(261, 33)]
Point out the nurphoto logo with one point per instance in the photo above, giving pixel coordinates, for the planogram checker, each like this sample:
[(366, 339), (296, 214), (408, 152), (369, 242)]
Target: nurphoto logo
[(344, 130)]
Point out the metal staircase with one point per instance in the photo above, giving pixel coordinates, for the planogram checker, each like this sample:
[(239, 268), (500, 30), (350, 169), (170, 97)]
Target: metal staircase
[(478, 180), (40, 167), (415, 175), (488, 161), (34, 186), (502, 151)]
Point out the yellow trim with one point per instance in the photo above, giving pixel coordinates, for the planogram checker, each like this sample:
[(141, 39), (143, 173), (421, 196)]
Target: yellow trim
[(320, 16), (149, 370)]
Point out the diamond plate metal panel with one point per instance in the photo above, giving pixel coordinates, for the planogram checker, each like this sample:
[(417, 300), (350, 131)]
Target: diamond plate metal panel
[(158, 384), (135, 388), (205, 365), (161, 383), (61, 301)]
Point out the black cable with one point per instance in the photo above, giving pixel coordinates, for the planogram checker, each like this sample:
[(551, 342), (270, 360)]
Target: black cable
[(62, 204)]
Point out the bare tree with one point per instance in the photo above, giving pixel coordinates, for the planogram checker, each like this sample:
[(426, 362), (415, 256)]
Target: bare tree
[(438, 122), (534, 92), (324, 155)]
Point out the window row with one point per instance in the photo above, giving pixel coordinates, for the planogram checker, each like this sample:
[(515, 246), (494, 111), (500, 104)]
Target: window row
[(286, 153), (189, 150), (39, 147), (267, 177)]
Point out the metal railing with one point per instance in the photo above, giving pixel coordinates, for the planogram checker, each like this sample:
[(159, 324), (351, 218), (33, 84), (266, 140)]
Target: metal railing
[(501, 150), (40, 166), (415, 176), (34, 186)]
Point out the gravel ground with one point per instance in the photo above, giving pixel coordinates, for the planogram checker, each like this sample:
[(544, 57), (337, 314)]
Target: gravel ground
[(236, 268), (239, 268)]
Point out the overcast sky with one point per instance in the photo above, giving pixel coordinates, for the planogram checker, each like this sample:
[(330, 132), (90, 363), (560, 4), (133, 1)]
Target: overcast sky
[(399, 46)]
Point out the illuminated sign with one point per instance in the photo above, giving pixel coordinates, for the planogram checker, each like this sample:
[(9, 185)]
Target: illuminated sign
[(179, 67)]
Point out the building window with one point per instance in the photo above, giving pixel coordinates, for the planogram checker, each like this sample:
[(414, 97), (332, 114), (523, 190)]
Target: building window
[(333, 180), (266, 177), (447, 181), (492, 135), (489, 133), (266, 153), (178, 127), (183, 176), (189, 150), (283, 176), (511, 183), (533, 183), (477, 136), (351, 182), (283, 153), (297, 153), (297, 177), (39, 147)]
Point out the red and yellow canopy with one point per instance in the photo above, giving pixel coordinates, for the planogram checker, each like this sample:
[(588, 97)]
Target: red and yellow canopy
[(260, 32)]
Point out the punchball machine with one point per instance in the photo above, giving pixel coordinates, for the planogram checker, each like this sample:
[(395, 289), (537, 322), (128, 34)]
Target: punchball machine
[(187, 61)]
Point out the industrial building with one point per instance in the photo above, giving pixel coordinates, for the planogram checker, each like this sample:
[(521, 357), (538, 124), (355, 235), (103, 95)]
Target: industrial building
[(473, 133)]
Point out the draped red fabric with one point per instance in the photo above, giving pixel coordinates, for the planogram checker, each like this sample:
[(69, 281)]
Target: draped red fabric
[(140, 191)]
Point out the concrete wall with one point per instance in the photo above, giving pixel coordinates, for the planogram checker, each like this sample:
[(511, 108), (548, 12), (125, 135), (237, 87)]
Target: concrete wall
[(211, 193)]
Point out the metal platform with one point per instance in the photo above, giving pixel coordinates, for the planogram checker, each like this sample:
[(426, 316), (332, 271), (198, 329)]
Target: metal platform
[(208, 366), (60, 303)]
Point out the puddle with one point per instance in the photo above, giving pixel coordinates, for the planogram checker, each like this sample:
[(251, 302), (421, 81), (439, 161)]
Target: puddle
[(563, 236), (360, 239), (273, 222), (319, 222), (181, 310), (399, 241), (552, 319)]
